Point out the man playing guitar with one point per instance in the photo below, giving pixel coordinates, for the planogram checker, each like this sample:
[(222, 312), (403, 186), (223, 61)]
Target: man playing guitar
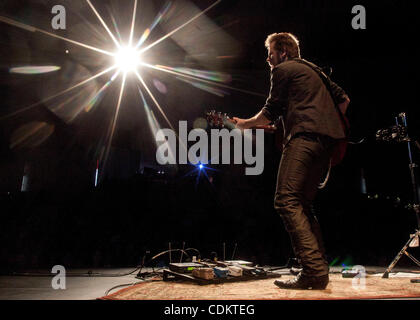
[(312, 108)]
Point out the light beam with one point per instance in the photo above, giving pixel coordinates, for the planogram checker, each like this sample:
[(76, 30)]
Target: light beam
[(104, 24), (154, 100), (34, 29), (179, 28), (58, 94), (132, 24), (177, 73), (114, 122)]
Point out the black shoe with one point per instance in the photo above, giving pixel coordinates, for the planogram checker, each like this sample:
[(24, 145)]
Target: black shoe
[(303, 282)]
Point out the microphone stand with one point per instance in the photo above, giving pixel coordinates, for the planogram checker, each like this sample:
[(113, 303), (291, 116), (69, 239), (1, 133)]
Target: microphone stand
[(416, 208)]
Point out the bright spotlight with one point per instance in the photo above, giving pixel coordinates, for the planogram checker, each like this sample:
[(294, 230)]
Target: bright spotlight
[(201, 166), (127, 59)]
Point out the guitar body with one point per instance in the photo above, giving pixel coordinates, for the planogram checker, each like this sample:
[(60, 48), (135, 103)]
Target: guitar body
[(341, 147), (339, 152), (279, 135)]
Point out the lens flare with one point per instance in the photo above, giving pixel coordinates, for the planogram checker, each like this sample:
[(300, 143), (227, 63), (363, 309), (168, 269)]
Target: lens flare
[(127, 59), (146, 32), (34, 69), (205, 87), (31, 135)]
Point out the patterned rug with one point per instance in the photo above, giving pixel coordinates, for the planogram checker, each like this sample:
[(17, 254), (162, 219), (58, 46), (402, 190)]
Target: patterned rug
[(373, 287)]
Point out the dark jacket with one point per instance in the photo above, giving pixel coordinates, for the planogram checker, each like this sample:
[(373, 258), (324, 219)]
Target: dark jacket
[(299, 95)]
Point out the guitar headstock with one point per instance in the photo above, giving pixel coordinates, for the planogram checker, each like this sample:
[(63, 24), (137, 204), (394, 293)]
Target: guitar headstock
[(218, 120)]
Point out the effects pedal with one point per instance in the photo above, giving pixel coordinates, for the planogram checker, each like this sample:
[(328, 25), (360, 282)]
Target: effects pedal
[(184, 267)]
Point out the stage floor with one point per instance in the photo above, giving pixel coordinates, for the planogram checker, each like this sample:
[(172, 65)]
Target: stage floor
[(37, 285)]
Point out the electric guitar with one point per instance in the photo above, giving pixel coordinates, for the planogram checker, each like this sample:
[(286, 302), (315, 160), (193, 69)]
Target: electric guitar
[(222, 120)]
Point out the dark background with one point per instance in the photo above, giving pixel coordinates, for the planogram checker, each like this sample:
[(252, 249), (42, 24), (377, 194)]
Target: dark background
[(63, 219)]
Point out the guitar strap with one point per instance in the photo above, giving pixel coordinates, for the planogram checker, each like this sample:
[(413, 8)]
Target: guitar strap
[(327, 81)]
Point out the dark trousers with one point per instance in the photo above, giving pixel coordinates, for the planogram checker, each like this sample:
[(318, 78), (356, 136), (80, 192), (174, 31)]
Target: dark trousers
[(303, 165)]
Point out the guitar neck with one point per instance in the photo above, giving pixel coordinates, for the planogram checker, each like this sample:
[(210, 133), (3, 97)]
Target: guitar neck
[(266, 127), (221, 120)]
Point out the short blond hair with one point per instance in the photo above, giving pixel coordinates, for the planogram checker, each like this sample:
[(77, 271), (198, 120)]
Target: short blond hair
[(284, 42)]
